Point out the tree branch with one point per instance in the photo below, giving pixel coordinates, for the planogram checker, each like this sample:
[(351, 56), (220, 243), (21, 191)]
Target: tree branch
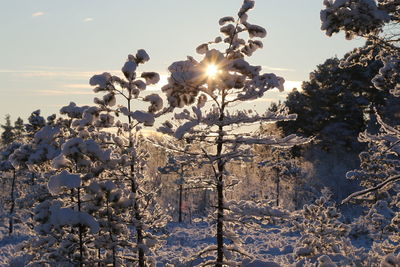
[(375, 188)]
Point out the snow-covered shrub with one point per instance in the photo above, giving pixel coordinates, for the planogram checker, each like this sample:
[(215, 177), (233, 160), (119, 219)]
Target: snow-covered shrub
[(375, 167), (379, 217), (321, 230)]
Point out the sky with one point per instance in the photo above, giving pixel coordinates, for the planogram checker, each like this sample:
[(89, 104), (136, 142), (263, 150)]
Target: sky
[(51, 48)]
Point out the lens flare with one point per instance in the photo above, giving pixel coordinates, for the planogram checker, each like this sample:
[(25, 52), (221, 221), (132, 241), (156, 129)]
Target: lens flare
[(212, 71)]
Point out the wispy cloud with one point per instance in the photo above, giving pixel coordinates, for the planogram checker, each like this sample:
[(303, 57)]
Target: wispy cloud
[(50, 72), (277, 68), (63, 92), (78, 86), (88, 20), (37, 14)]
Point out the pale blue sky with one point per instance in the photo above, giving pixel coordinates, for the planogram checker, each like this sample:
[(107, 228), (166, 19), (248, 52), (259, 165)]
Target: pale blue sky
[(50, 48)]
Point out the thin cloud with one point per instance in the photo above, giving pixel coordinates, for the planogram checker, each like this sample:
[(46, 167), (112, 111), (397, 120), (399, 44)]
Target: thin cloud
[(53, 74), (277, 68), (78, 86), (50, 73), (88, 20), (37, 14), (62, 92)]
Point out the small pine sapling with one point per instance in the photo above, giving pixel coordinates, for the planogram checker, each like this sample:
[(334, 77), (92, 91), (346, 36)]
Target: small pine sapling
[(120, 96), (321, 230)]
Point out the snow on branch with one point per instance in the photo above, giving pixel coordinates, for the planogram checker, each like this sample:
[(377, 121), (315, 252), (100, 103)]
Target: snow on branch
[(251, 208), (389, 136), (372, 189), (63, 180), (288, 141), (66, 216), (245, 117), (354, 17)]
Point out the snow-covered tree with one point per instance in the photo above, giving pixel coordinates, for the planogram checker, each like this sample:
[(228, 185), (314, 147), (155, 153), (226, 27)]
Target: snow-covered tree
[(79, 210), (378, 23), (212, 87), (334, 106), (128, 145), (35, 123), (32, 159), (67, 227)]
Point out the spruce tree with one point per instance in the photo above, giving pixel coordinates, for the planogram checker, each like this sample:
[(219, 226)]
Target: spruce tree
[(7, 136)]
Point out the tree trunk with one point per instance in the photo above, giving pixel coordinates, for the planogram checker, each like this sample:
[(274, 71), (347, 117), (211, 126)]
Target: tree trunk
[(296, 197), (180, 203), (220, 222), (138, 218), (99, 257), (277, 189), (114, 258), (80, 231), (139, 233), (138, 226), (220, 199), (11, 219)]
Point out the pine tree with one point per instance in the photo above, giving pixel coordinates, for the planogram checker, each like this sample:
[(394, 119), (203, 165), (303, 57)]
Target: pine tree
[(6, 166), (224, 79), (67, 226), (368, 19), (7, 136), (378, 23), (321, 231), (19, 129), (335, 104), (129, 145)]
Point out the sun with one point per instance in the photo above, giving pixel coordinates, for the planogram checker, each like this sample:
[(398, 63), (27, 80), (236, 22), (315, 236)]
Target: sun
[(212, 70)]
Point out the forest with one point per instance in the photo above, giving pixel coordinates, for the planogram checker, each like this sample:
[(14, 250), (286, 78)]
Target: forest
[(198, 178)]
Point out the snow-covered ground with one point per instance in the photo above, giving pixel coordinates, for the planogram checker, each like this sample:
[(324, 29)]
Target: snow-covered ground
[(266, 244)]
